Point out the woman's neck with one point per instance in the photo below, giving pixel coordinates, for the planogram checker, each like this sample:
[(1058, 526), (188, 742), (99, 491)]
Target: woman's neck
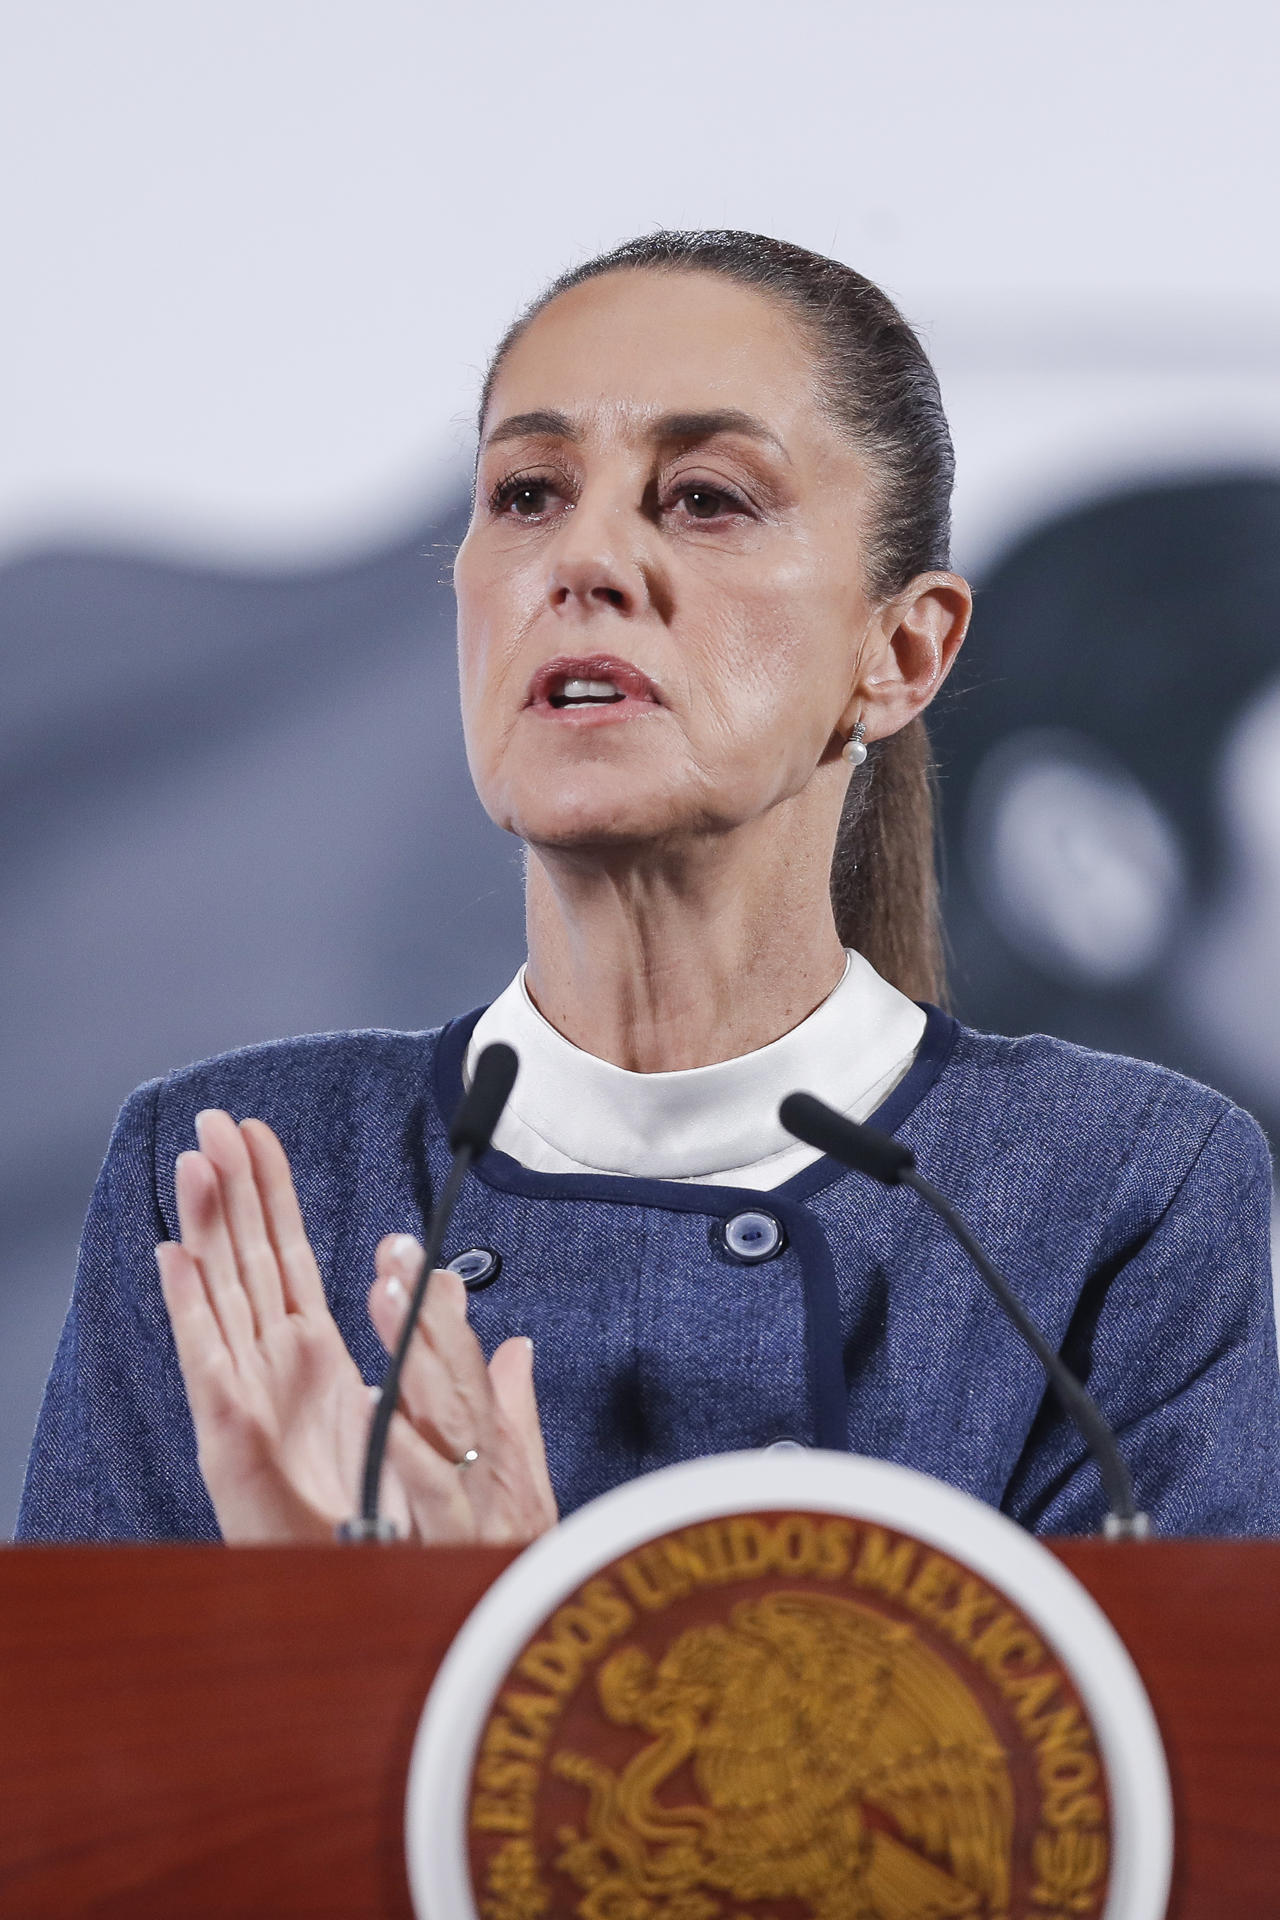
[(683, 958)]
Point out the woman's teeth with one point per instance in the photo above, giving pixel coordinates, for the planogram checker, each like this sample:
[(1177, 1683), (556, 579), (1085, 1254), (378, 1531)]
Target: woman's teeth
[(585, 693)]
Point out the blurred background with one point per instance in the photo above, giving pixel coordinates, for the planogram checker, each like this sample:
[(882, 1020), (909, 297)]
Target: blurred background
[(255, 255)]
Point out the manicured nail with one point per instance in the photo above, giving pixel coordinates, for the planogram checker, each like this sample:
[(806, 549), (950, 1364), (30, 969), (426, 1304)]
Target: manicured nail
[(405, 1247), (395, 1290)]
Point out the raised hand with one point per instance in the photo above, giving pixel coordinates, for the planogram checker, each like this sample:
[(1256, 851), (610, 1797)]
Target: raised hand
[(280, 1411), (470, 1457), (279, 1408)]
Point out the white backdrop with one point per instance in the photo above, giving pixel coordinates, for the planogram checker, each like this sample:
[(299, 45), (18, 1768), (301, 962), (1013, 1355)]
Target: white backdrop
[(260, 248)]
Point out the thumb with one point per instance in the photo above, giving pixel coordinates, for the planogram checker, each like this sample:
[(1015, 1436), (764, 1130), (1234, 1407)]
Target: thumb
[(511, 1377)]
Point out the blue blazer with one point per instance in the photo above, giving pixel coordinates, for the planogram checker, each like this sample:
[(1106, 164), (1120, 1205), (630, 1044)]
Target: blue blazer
[(1129, 1206)]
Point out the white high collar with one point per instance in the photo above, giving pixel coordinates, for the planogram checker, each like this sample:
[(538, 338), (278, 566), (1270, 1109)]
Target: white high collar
[(573, 1113)]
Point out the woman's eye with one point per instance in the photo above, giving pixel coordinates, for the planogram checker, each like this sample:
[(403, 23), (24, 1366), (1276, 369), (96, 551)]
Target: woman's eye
[(708, 503), (523, 499)]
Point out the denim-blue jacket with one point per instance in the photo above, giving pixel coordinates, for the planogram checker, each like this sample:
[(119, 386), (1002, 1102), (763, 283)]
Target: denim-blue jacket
[(1128, 1206)]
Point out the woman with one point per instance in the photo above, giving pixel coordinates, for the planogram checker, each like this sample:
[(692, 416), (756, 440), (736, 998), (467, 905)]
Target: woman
[(703, 601)]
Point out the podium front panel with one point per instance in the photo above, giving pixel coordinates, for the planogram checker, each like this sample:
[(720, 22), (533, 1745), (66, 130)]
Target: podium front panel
[(208, 1732)]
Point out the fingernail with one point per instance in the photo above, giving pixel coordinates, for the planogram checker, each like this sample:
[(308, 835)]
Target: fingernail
[(405, 1247), (528, 1343), (395, 1290), (375, 1393)]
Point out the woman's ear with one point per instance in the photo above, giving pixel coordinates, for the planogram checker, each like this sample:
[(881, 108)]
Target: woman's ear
[(909, 651)]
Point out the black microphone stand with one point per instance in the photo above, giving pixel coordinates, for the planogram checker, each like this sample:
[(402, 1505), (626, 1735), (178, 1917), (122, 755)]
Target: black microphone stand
[(881, 1157), (469, 1135)]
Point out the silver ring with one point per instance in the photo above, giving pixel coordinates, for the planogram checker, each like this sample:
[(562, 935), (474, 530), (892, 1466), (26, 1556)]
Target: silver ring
[(468, 1459)]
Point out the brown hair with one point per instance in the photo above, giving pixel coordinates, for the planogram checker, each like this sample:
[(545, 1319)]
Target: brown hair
[(877, 381)]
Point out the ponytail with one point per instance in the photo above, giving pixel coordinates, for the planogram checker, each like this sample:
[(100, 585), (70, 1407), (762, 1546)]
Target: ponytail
[(884, 878)]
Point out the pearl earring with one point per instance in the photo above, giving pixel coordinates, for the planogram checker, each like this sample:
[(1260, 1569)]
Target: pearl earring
[(854, 749)]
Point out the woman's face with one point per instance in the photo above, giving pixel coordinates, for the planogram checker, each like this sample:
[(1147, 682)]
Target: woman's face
[(660, 595)]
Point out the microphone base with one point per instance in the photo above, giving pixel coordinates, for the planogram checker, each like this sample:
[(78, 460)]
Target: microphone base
[(358, 1530), (1137, 1527)]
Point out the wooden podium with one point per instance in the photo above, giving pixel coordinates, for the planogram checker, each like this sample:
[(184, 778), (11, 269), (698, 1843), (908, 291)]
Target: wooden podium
[(192, 1731)]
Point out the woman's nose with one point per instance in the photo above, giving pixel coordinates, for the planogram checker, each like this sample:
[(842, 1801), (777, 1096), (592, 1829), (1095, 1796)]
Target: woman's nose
[(593, 566), (585, 580)]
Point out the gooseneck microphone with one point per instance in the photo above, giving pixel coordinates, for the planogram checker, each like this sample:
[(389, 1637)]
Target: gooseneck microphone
[(471, 1132), (883, 1158)]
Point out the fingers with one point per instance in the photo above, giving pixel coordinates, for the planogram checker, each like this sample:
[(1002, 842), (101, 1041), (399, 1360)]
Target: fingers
[(239, 1217), (224, 1147), (455, 1404), (299, 1274), (433, 1490), (444, 1386), (511, 1374), (202, 1349), (202, 1223), (522, 1502), (274, 1435), (448, 1334)]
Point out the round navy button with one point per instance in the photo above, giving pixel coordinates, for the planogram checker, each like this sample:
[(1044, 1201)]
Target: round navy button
[(752, 1236), (478, 1267), (783, 1446)]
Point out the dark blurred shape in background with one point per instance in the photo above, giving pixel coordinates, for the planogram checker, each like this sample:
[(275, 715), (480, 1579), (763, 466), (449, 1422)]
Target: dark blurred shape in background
[(1111, 784)]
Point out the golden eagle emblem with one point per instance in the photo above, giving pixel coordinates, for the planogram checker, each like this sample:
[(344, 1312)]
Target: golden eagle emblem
[(806, 1751), (781, 1716)]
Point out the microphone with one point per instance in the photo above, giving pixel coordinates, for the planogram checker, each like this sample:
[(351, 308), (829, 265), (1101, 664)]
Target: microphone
[(469, 1135), (883, 1158)]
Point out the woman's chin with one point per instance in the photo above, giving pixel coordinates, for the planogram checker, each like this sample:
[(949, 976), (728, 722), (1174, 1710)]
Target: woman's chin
[(585, 829), (593, 804)]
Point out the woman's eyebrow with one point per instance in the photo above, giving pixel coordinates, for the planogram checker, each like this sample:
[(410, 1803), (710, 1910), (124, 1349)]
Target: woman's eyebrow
[(686, 429), (668, 429), (533, 426)]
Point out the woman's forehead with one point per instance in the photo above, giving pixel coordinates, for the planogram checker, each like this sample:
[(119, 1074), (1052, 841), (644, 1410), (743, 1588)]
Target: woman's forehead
[(631, 347)]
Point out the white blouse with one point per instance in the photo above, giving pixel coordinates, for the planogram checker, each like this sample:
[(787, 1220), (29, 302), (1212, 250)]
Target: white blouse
[(572, 1113)]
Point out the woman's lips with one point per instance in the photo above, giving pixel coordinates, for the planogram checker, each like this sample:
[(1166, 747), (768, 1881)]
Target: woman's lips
[(591, 689)]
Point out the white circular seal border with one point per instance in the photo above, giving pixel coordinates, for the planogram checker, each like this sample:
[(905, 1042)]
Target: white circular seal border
[(555, 1566)]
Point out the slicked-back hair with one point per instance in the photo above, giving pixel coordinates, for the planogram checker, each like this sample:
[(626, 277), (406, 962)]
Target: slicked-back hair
[(876, 381)]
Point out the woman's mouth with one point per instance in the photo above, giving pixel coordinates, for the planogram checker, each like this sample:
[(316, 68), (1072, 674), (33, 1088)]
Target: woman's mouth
[(586, 693), (599, 687)]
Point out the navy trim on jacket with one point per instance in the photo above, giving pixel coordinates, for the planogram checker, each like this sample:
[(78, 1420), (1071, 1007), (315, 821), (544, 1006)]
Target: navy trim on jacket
[(826, 1376)]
